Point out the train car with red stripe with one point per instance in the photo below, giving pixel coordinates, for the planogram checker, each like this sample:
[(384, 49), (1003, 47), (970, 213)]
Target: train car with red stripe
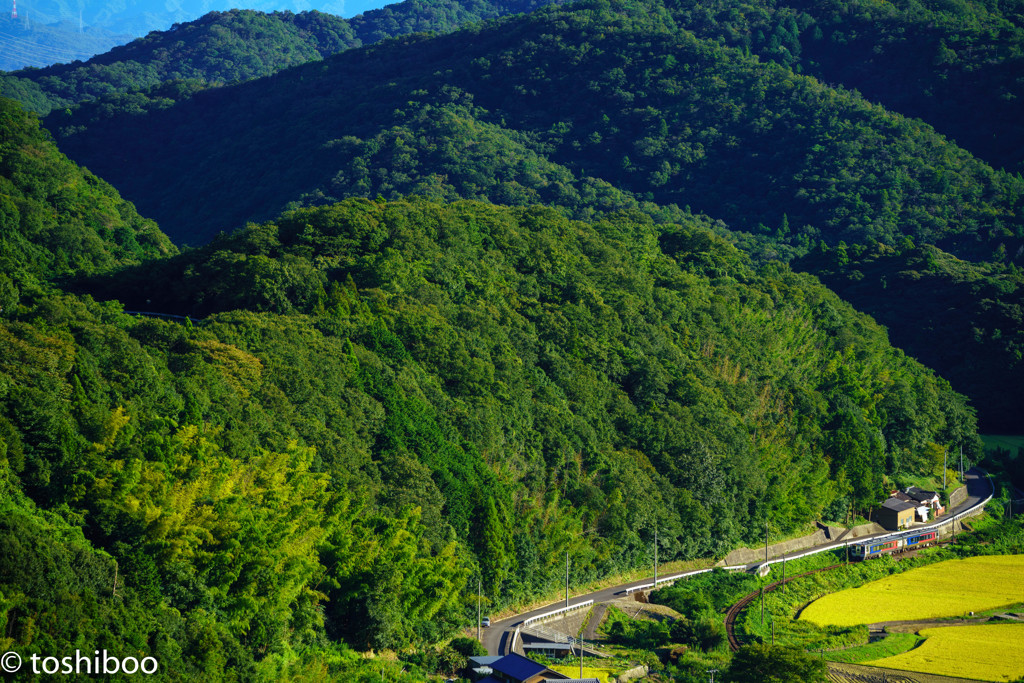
[(910, 540)]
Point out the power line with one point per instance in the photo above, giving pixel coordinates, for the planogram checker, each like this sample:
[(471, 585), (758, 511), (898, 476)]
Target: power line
[(31, 44), (26, 59)]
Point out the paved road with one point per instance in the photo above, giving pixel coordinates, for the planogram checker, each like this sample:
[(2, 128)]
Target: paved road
[(499, 633)]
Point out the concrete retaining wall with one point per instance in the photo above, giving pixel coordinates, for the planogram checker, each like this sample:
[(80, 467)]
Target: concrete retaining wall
[(822, 536), (865, 530), (958, 496), (749, 555), (638, 672)]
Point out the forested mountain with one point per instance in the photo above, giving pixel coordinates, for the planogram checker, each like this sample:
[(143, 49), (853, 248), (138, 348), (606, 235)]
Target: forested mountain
[(589, 107), (236, 45), (139, 17), (384, 399), (60, 31), (956, 65), (613, 92), (220, 47)]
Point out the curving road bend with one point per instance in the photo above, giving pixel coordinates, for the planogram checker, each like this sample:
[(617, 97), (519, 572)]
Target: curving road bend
[(497, 637)]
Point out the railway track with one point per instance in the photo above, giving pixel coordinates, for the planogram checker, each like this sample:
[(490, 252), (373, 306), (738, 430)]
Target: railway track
[(734, 611)]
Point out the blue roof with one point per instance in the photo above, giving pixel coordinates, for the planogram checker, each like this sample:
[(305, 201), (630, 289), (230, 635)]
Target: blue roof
[(518, 667)]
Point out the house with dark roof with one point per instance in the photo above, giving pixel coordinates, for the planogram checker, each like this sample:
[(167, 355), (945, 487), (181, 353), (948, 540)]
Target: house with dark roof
[(896, 514)]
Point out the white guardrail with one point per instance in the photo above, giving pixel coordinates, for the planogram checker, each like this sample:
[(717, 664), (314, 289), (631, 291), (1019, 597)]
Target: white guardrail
[(820, 549), (562, 610), (667, 579)]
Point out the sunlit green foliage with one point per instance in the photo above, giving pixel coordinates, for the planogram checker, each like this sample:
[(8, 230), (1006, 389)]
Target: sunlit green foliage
[(479, 296), (442, 390)]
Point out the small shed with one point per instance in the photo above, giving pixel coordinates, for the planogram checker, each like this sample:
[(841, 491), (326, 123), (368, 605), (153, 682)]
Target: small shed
[(552, 650), (896, 514)]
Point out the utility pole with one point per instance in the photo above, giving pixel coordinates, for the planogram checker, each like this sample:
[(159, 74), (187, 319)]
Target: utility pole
[(479, 589), (962, 463), (655, 560), (945, 452), (766, 540), (783, 575), (712, 672), (567, 579), (762, 605)]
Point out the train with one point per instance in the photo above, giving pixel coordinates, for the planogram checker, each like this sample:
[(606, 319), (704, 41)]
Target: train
[(910, 540)]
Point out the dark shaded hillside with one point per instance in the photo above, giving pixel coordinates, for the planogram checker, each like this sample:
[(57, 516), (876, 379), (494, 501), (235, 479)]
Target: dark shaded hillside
[(957, 65), (965, 318), (57, 219)]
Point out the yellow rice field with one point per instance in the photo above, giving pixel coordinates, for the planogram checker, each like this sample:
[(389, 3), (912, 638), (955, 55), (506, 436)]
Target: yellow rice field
[(946, 589), (989, 652), (602, 675)]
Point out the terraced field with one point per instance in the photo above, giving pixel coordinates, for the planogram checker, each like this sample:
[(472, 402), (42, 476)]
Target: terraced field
[(989, 652), (946, 589)]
